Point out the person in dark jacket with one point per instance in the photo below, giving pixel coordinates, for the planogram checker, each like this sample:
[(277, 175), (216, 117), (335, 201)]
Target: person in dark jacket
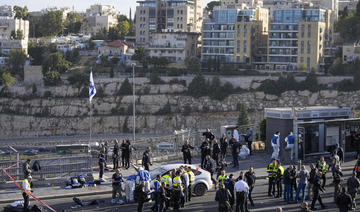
[(141, 196), (223, 196), (311, 180), (287, 184), (343, 201), (186, 150), (163, 197), (216, 151), (223, 145), (210, 166), (229, 184), (337, 178), (293, 175), (235, 149), (250, 178), (123, 153), (340, 152), (353, 184), (102, 165), (127, 152), (116, 155), (316, 191), (146, 161), (205, 150), (27, 168), (208, 134)]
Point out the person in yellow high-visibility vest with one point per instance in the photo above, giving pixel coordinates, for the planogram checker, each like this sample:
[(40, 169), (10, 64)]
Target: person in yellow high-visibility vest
[(192, 180), (271, 176), (177, 191), (26, 187), (321, 166), (279, 177), (222, 177)]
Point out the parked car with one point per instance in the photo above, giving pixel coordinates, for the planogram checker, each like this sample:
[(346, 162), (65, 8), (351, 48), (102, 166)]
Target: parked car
[(31, 152), (202, 182), (2, 152)]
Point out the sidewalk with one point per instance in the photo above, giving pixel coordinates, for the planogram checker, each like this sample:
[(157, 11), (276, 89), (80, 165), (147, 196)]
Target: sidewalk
[(43, 191)]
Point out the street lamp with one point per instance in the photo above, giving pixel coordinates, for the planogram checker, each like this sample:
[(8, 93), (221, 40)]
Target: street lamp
[(133, 81)]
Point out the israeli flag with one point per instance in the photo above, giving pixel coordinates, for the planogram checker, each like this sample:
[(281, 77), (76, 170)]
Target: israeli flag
[(92, 89)]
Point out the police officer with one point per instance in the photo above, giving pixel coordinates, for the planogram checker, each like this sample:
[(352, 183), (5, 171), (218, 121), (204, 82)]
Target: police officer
[(279, 177), (163, 197), (177, 191), (26, 191), (241, 188), (146, 161), (316, 191), (223, 145), (156, 186), (321, 166), (222, 177), (205, 150), (271, 176), (167, 179), (186, 150), (102, 165), (116, 187), (250, 180), (337, 177), (343, 201), (216, 151), (353, 184), (191, 181)]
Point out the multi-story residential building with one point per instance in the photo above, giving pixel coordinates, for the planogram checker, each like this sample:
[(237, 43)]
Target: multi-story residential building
[(218, 35), (99, 17), (251, 36), (6, 11), (158, 15), (349, 4), (273, 5), (8, 27), (297, 38), (249, 3), (351, 53), (175, 46)]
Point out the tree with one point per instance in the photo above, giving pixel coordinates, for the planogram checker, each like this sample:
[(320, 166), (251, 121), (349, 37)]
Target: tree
[(243, 118), (125, 88), (6, 78), (210, 6), (17, 60), (79, 79), (123, 27), (56, 62), (358, 9), (263, 129), (52, 78), (73, 56), (21, 12), (52, 23), (121, 18), (101, 35), (73, 23), (141, 56), (192, 64), (311, 82), (198, 86)]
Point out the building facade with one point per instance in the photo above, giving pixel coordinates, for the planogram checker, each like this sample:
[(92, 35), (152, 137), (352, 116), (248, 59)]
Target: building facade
[(9, 26), (251, 36), (297, 38), (157, 16), (174, 46), (99, 17), (114, 48), (248, 3), (218, 35), (351, 53)]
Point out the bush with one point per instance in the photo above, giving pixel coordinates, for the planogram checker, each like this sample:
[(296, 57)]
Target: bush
[(177, 81), (165, 110), (187, 110), (243, 118), (175, 72), (198, 86), (47, 94), (52, 78), (34, 89), (155, 79), (79, 79)]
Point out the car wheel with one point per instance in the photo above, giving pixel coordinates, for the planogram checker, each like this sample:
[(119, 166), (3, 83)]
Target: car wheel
[(200, 189)]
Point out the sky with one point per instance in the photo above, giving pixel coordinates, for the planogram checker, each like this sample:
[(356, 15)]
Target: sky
[(122, 6)]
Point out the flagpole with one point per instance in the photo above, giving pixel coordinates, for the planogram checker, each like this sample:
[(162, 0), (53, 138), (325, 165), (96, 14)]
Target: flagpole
[(92, 92), (90, 121), (133, 78)]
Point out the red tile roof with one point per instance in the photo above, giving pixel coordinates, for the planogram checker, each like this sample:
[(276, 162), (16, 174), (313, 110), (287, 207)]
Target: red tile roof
[(116, 43)]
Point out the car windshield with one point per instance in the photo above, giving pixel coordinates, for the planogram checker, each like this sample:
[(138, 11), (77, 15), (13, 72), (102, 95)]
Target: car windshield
[(156, 171)]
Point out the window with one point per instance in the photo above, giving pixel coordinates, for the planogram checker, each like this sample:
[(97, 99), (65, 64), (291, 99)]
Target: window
[(238, 30), (302, 30), (302, 47), (308, 62), (301, 59), (309, 31), (245, 30), (308, 47), (238, 46), (245, 46)]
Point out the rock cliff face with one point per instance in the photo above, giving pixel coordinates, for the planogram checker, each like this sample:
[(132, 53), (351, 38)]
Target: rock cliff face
[(69, 116)]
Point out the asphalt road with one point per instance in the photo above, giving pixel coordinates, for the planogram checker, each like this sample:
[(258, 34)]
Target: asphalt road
[(205, 203)]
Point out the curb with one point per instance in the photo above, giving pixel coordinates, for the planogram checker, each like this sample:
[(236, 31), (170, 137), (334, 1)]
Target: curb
[(4, 201)]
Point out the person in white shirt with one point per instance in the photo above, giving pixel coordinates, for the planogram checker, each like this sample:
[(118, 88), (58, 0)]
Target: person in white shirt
[(275, 143), (236, 135), (241, 189)]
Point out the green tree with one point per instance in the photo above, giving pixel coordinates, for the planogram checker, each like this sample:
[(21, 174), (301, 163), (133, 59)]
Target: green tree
[(124, 27), (311, 83), (52, 23), (198, 86), (358, 9), (55, 63), (210, 6), (73, 56), (125, 88), (192, 64), (101, 35), (21, 12), (6, 78), (17, 60), (121, 18), (243, 118), (141, 56), (263, 130), (73, 23), (52, 78), (79, 79)]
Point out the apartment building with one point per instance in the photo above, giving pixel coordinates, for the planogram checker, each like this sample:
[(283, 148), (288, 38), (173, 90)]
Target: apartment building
[(218, 35), (350, 4), (251, 36), (248, 3), (6, 11), (158, 15), (99, 17), (8, 26), (174, 46), (297, 38)]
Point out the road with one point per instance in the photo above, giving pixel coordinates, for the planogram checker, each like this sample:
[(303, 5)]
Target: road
[(206, 203)]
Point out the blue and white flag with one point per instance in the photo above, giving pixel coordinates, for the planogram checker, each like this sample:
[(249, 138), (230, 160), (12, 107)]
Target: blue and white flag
[(92, 89)]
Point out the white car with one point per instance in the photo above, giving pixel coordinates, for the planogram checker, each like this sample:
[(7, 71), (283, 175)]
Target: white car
[(202, 182)]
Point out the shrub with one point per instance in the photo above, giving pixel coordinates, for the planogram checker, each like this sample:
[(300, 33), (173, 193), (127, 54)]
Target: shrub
[(263, 130), (125, 88), (187, 110), (34, 89), (177, 81), (155, 79), (165, 110), (198, 86), (243, 118), (47, 94), (79, 79)]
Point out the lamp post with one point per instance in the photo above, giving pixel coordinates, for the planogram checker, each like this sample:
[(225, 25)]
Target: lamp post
[(133, 81)]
